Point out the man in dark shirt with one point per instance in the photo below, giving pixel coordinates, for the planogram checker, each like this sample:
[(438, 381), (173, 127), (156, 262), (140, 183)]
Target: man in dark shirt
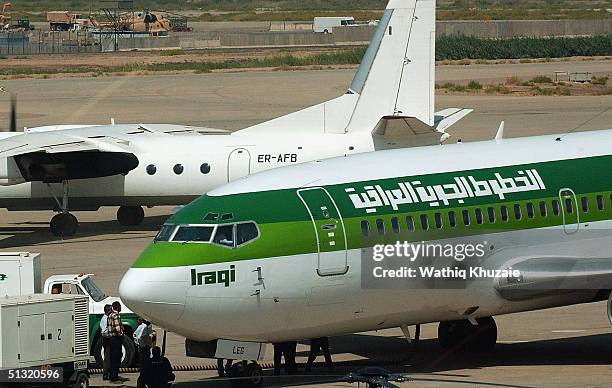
[(158, 371)]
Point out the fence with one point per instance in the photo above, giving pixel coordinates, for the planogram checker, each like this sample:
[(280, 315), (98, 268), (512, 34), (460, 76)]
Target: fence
[(48, 42)]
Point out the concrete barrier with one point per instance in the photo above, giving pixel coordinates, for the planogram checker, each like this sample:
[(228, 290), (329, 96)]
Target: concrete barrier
[(497, 29)]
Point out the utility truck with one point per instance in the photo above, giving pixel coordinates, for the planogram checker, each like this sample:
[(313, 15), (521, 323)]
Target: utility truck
[(326, 24), (20, 274)]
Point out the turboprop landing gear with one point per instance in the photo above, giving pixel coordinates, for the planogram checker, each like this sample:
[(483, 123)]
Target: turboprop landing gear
[(63, 224), (463, 335), (130, 215), (246, 375)]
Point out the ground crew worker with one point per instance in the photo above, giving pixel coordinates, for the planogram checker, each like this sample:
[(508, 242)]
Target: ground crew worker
[(105, 344), (158, 371), (222, 370), (288, 350), (115, 333), (318, 346), (142, 339)]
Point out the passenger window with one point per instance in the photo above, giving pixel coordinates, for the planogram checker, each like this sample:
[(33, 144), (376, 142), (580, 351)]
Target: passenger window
[(193, 234), (452, 219), (585, 204), (491, 212), (479, 216), (224, 236), (504, 213), (395, 225), (569, 205), (365, 228), (530, 210), (600, 202), (205, 168), (410, 223), (424, 222), (543, 209), (466, 217), (165, 233), (380, 226), (518, 215), (555, 207), (438, 219), (246, 232)]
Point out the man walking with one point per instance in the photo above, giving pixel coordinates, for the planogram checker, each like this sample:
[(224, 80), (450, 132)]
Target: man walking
[(105, 344), (115, 334), (318, 346)]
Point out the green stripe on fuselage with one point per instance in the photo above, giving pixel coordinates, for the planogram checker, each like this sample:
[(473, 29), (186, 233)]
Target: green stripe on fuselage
[(286, 228)]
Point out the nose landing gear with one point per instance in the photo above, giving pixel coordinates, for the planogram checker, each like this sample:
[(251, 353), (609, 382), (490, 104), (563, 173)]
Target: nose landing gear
[(246, 374)]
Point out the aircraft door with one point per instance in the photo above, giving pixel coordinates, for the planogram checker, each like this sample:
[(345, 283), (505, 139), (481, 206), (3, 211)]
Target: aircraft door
[(238, 164), (329, 231), (569, 210)]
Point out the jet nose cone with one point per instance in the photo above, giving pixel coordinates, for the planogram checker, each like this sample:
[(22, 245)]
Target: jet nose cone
[(155, 294), (132, 291)]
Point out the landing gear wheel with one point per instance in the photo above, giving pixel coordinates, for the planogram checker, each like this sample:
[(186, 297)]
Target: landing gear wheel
[(130, 215), (462, 335), (484, 335), (246, 375), (64, 225)]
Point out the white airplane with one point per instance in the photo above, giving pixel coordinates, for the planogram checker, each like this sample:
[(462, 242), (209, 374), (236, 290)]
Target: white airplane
[(69, 168)]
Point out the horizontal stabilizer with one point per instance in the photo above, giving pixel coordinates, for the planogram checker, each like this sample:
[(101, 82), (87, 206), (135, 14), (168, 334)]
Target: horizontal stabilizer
[(446, 118), (401, 132)]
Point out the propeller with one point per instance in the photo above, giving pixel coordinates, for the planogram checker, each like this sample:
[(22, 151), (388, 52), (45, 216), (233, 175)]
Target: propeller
[(13, 117)]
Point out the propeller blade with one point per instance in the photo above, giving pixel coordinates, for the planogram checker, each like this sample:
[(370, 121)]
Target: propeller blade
[(13, 124)]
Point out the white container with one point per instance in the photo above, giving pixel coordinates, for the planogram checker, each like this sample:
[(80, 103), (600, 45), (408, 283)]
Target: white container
[(20, 274)]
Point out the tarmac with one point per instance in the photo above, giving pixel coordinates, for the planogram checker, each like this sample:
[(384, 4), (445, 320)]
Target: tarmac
[(567, 346)]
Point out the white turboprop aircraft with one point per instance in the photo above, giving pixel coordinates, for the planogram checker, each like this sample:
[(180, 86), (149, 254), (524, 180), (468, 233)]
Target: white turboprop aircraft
[(85, 167)]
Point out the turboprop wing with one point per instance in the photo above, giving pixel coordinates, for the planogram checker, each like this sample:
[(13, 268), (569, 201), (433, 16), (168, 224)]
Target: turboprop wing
[(56, 154)]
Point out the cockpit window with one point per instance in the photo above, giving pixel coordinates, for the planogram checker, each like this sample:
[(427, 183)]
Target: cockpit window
[(246, 232), (165, 233), (193, 233), (225, 236)]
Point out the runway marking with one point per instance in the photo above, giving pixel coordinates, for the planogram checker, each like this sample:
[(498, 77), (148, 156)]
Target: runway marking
[(567, 331), (512, 342)]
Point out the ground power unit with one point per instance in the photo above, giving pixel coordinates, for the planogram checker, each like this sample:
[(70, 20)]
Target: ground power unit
[(39, 331)]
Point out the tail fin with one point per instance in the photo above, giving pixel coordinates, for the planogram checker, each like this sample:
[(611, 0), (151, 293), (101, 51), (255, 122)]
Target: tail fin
[(397, 74), (396, 78)]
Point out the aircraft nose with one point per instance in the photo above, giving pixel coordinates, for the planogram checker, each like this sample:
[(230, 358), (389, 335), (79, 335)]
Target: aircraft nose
[(155, 294)]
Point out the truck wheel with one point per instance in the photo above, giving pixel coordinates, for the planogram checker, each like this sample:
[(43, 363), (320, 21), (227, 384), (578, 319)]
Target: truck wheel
[(82, 381), (129, 352), (127, 358), (98, 353)]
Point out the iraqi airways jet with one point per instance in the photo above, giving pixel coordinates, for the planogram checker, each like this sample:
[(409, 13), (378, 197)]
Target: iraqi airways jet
[(68, 168), (454, 234)]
